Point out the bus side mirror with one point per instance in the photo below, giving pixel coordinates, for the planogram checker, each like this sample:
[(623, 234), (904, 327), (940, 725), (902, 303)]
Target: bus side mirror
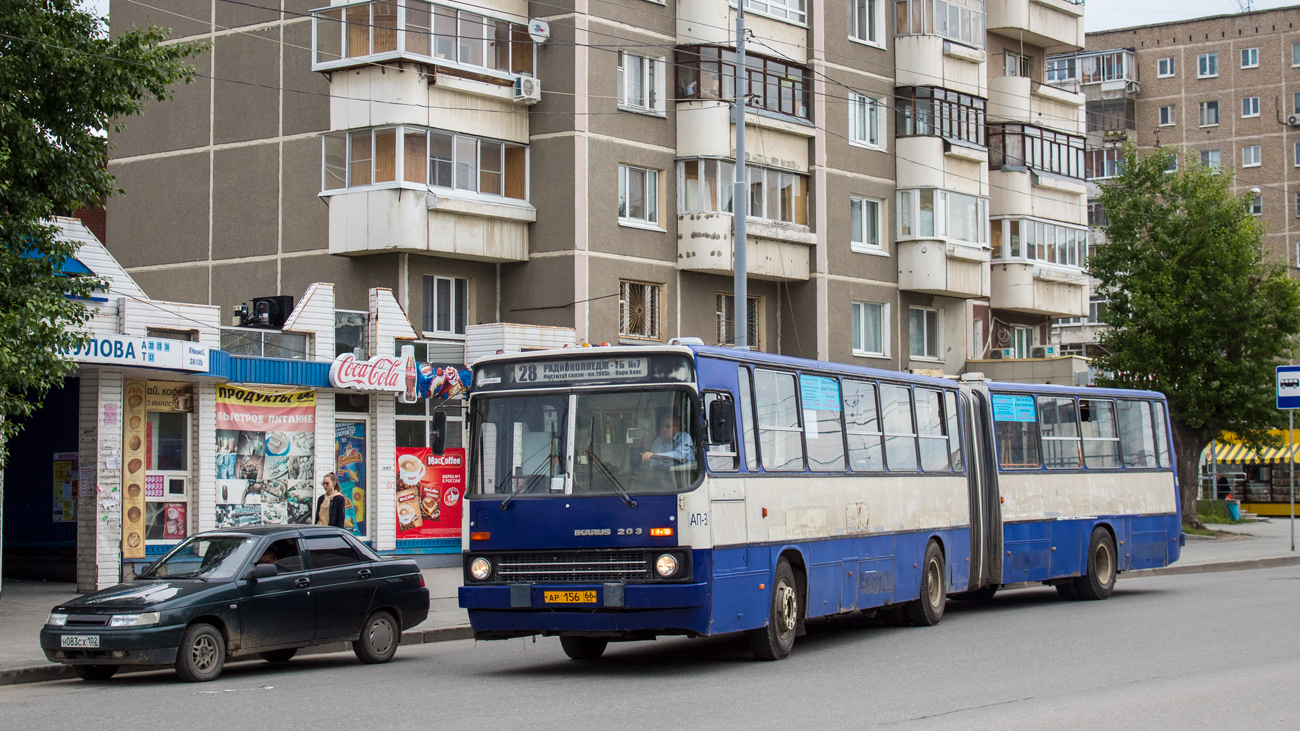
[(722, 422), (438, 433)]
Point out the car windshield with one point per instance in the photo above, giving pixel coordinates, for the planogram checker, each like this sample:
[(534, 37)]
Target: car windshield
[(210, 558), (634, 442)]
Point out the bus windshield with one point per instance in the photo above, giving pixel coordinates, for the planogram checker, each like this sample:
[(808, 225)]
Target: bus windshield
[(635, 441)]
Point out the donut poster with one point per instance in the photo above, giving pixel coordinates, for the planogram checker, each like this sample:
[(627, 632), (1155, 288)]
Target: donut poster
[(134, 434), (430, 488)]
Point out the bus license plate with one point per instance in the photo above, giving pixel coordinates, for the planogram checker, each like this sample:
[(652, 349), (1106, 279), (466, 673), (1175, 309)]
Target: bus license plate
[(570, 597), (79, 641)]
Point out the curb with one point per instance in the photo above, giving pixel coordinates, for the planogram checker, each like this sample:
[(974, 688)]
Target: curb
[(57, 671), (1210, 568)]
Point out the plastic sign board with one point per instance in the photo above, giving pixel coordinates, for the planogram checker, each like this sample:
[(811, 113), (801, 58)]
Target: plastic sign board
[(1288, 387), (178, 355)]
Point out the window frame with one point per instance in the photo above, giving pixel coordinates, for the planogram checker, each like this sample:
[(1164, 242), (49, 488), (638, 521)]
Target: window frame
[(1040, 149), (1212, 159), (1041, 242), (909, 207), (931, 111), (937, 326), (864, 108), (655, 325), (650, 179), (786, 15), (726, 319), (1168, 116), (1295, 54), (1249, 107), (1250, 58), (716, 65), (653, 68), (1207, 65), (932, 19), (1204, 115), (860, 221), (1257, 206), (859, 331), (876, 10), (1251, 156), (1161, 72), (458, 299)]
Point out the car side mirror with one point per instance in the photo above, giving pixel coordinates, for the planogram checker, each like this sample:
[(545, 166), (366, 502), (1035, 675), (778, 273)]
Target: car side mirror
[(264, 571), (438, 432), (722, 422)]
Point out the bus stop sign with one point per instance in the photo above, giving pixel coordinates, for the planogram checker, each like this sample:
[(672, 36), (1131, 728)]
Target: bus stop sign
[(1288, 387)]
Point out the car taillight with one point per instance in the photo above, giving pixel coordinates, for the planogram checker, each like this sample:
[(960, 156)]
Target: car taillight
[(421, 581)]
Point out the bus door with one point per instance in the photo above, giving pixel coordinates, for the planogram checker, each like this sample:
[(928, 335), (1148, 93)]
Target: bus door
[(986, 503)]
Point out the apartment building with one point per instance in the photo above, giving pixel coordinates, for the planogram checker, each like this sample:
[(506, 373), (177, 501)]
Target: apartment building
[(1223, 91), (916, 195)]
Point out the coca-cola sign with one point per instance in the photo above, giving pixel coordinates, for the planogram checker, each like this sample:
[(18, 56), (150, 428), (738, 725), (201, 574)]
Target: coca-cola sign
[(376, 374)]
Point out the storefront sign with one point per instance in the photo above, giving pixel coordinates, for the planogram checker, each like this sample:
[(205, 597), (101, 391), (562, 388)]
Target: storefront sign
[(169, 396), (376, 374), (147, 352), (266, 446), (350, 466), (66, 484), (429, 492)]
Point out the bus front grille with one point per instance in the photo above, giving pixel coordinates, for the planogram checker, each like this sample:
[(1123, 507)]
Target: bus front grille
[(576, 567)]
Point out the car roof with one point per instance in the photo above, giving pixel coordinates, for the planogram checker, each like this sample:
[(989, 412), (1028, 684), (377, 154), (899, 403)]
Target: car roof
[(269, 530)]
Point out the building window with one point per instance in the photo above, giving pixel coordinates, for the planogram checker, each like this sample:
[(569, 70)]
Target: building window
[(1022, 339), (727, 321), (1108, 114), (1297, 205), (638, 310), (871, 329), (640, 82), (638, 195), (446, 36), (1015, 64), (1250, 156), (1165, 68), (1249, 58), (1257, 206), (1097, 311), (1166, 116), (1172, 164), (1207, 65), (1296, 154), (1109, 66), (778, 195), (705, 185), (1295, 103), (1250, 106), (708, 72), (428, 157), (1209, 114), (1097, 215), (795, 11), (1026, 239), (864, 120), (1061, 69), (446, 305), (867, 20), (925, 330), (1295, 53), (1023, 146), (1103, 163), (935, 112), (929, 213), (864, 223), (957, 20), (1210, 159)]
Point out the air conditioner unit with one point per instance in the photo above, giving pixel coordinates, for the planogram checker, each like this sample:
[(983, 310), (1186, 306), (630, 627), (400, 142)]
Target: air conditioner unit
[(995, 354), (528, 90), (1008, 352), (1293, 120)]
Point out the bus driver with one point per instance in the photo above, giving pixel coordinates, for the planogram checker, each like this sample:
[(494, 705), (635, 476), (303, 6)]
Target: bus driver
[(671, 446)]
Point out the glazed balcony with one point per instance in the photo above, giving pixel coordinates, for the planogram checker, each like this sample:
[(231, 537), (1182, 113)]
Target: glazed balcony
[(1056, 25)]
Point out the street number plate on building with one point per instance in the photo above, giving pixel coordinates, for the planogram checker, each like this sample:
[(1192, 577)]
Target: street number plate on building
[(81, 641), (570, 597)]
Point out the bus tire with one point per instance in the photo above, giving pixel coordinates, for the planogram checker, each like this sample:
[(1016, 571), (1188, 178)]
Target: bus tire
[(775, 640), (584, 648), (1099, 582), (927, 610)]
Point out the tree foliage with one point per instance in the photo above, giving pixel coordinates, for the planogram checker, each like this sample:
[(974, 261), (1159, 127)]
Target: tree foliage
[(62, 83), (1194, 310)]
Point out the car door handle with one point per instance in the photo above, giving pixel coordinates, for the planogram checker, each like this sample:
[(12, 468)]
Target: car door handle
[(304, 581), (363, 574)]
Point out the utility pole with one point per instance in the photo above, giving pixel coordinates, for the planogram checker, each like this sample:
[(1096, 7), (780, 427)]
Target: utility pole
[(740, 195)]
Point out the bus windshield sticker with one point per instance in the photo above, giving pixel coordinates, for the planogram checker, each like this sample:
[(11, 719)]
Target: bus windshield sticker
[(571, 371), (1013, 408), (820, 393)]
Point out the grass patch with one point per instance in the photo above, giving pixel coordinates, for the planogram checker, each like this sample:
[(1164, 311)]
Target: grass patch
[(1202, 531), (1215, 511)]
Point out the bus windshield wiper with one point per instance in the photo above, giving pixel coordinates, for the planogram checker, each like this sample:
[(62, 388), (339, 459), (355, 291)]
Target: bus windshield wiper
[(604, 472), (528, 481)]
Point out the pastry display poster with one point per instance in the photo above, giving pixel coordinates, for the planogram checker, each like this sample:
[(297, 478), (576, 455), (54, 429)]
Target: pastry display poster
[(429, 491), (134, 455), (266, 451)]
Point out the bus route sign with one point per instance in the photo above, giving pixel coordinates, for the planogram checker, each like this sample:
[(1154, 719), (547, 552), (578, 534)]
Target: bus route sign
[(1288, 387)]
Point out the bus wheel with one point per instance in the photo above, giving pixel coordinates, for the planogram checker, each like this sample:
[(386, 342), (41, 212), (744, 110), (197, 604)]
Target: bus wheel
[(775, 641), (928, 609), (1099, 582), (1068, 590), (583, 648)]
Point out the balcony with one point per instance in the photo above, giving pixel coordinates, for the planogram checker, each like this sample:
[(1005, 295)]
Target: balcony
[(1034, 289), (940, 268), (1020, 99), (1056, 25)]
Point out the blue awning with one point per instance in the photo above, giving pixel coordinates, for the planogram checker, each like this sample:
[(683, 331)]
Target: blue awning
[(69, 267), (270, 371)]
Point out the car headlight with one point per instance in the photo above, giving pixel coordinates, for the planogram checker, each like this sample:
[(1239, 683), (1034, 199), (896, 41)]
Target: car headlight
[(56, 620), (480, 568), (134, 620), (666, 565)]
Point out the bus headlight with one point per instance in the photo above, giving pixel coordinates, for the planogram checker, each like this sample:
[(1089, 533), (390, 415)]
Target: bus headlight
[(480, 568), (666, 565)]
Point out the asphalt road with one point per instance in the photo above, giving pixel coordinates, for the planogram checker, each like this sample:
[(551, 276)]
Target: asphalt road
[(1198, 651)]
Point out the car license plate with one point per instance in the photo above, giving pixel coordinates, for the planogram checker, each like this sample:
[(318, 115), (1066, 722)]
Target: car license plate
[(570, 597), (81, 641)]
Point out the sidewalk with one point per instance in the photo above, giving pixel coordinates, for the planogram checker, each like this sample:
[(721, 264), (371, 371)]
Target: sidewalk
[(24, 605)]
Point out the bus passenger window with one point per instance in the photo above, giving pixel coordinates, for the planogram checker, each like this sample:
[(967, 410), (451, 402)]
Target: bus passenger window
[(932, 430), (1100, 440), (1015, 429), (866, 445), (900, 434), (1060, 429), (954, 433), (1137, 439), (747, 420), (721, 456), (1162, 435), (821, 422), (779, 434)]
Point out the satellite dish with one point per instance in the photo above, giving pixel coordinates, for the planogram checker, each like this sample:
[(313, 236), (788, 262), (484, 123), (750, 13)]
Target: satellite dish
[(539, 30)]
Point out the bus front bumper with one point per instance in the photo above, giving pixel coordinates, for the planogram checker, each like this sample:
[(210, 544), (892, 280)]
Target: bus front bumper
[(575, 597)]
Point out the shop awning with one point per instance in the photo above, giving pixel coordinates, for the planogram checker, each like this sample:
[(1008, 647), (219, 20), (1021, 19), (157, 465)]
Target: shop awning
[(1240, 454)]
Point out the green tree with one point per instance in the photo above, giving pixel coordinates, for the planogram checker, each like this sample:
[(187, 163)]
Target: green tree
[(63, 81), (1194, 310)]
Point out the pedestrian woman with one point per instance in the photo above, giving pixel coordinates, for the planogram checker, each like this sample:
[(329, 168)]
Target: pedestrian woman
[(330, 506)]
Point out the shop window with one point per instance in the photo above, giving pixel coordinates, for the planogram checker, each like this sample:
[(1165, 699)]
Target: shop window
[(446, 305), (265, 343), (351, 403)]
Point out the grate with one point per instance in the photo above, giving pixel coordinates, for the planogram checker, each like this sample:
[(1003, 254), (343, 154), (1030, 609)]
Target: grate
[(574, 566), (87, 620)]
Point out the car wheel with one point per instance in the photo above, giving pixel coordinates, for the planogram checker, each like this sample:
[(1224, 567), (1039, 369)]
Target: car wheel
[(202, 654), (378, 640), (583, 648), (279, 655), (95, 672)]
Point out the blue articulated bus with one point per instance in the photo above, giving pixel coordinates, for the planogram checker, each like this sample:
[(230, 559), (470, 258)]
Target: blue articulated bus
[(627, 493)]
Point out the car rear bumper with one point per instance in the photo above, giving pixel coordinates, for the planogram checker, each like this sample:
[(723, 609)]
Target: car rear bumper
[(152, 646)]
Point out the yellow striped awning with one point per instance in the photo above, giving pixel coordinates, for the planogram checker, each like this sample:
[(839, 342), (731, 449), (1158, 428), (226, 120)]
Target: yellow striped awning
[(1240, 454)]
